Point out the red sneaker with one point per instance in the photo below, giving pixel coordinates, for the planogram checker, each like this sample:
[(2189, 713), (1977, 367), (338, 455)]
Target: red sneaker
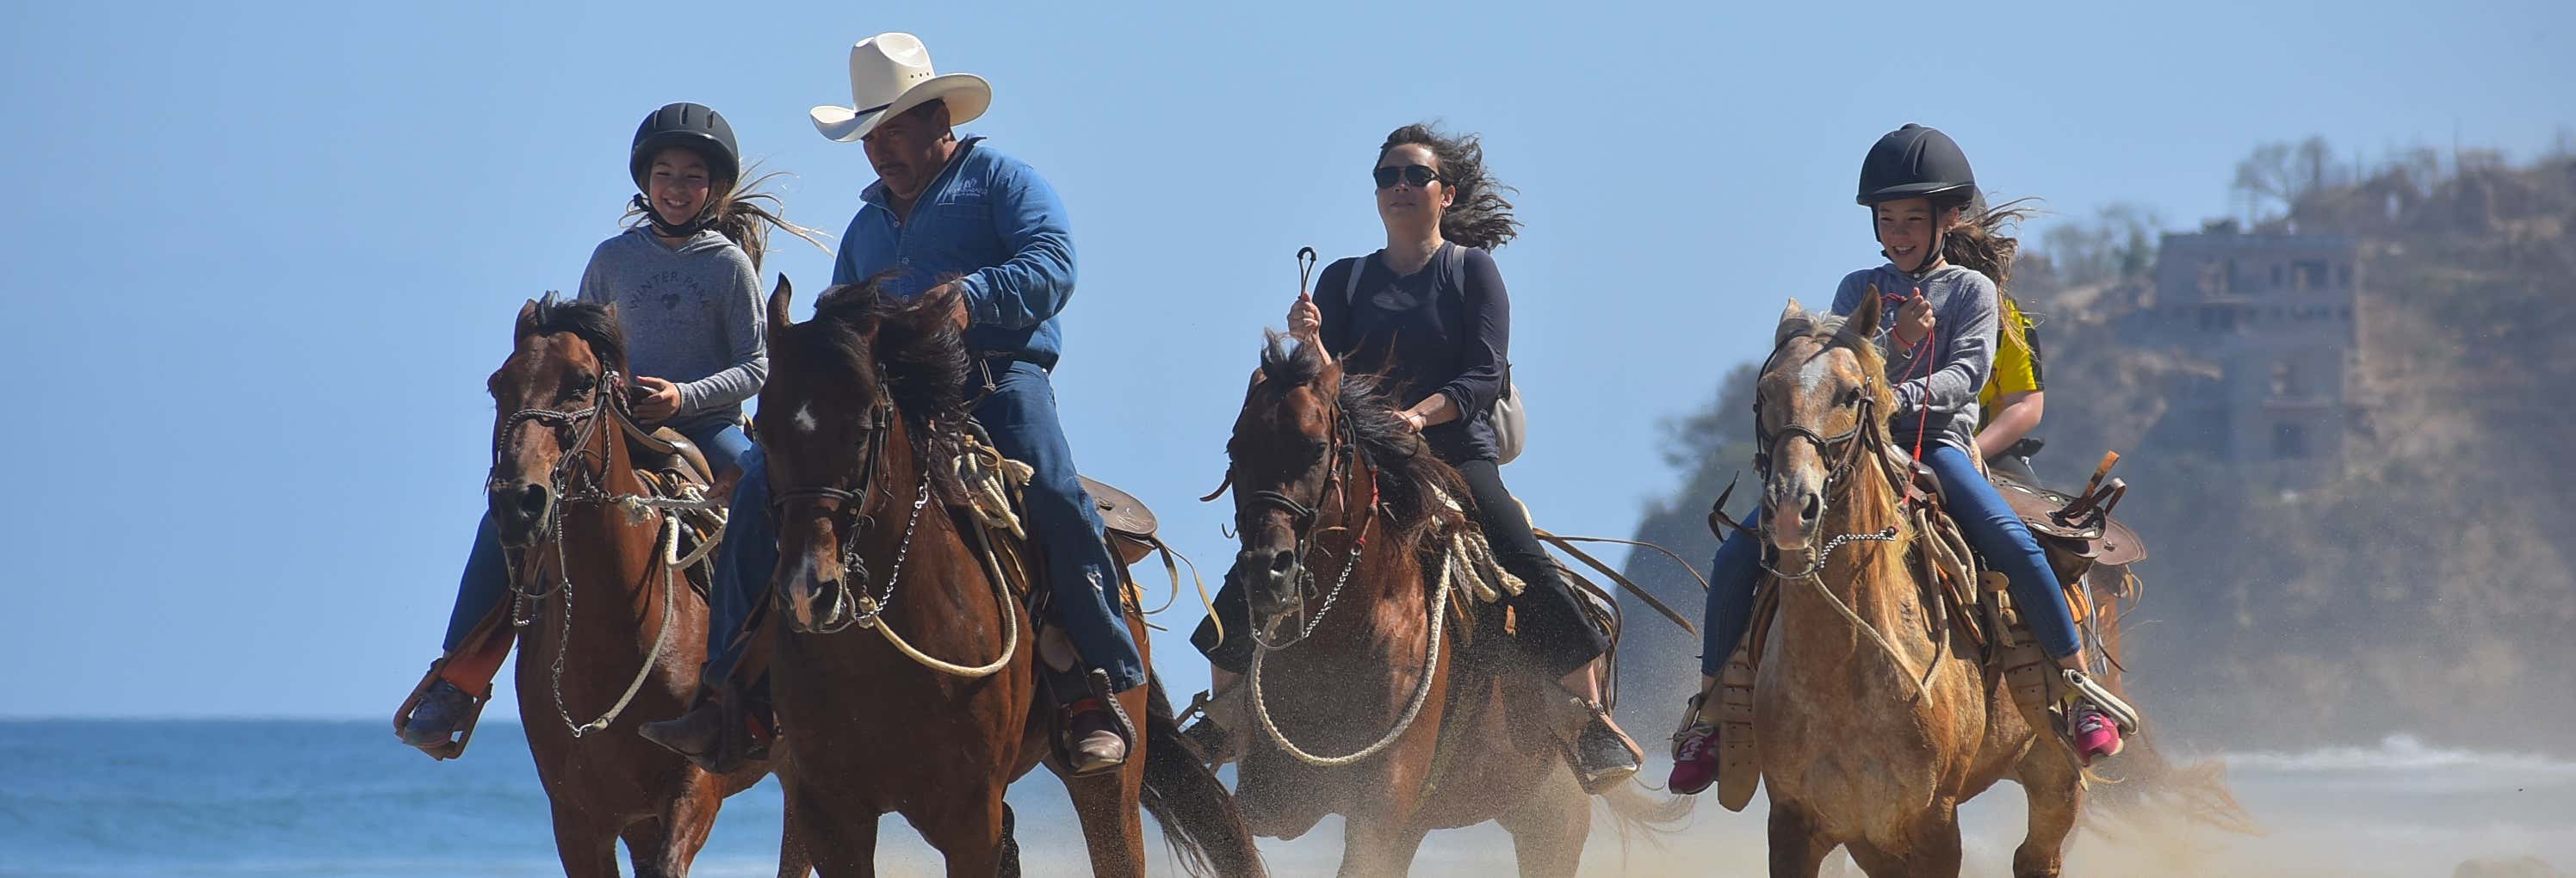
[(2095, 735)]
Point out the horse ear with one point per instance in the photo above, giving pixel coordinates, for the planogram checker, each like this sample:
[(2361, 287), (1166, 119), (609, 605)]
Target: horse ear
[(527, 324), (1794, 322), (779, 299), (1862, 325)]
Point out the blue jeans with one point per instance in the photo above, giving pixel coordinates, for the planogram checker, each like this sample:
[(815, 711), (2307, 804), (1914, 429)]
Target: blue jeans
[(1989, 524), (487, 573), (1021, 416)]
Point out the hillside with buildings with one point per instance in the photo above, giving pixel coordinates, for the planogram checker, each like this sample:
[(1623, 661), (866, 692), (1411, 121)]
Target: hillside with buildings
[(2344, 427)]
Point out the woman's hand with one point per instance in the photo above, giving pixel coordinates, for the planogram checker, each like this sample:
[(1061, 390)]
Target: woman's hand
[(1306, 322), (1913, 321), (653, 398), (1415, 420)]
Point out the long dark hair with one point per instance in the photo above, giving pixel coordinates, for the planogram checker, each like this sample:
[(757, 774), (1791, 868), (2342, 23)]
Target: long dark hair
[(743, 214), (1479, 216)]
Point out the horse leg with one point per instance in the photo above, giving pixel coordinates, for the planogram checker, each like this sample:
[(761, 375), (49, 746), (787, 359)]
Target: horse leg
[(587, 849), (1548, 830), (793, 862), (1796, 850), (2055, 787), (674, 837), (1111, 825), (1876, 862), (1374, 846), (968, 834), (837, 846), (647, 843), (1934, 850)]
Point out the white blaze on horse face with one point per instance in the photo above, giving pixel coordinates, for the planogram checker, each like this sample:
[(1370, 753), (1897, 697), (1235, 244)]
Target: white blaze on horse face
[(1814, 372), (805, 417)]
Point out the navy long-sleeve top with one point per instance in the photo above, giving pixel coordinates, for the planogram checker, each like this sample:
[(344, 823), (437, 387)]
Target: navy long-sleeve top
[(1427, 332)]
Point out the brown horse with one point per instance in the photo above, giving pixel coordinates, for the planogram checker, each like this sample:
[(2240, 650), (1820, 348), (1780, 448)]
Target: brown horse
[(1388, 712), (910, 712), (1874, 716), (613, 633)]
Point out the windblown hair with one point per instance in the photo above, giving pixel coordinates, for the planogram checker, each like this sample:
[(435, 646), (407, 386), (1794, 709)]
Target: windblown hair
[(911, 347), (1479, 216), (1978, 243), (595, 324), (1411, 478), (744, 215)]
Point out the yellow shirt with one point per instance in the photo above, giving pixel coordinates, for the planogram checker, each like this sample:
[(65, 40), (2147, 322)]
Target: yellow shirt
[(2017, 367)]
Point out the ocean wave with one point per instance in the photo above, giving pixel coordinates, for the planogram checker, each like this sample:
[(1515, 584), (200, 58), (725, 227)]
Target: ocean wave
[(2405, 752)]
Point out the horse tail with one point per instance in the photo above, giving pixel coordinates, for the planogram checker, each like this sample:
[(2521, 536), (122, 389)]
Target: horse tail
[(1633, 811), (1198, 816), (2143, 783)]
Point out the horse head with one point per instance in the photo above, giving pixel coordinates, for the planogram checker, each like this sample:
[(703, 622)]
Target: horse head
[(845, 392), (1821, 393), (566, 364)]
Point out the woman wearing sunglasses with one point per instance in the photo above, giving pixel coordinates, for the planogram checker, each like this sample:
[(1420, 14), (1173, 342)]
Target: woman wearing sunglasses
[(1429, 312)]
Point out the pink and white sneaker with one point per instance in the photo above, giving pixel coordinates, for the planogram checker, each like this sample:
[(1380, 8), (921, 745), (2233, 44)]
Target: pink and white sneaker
[(2096, 735), (1694, 755)]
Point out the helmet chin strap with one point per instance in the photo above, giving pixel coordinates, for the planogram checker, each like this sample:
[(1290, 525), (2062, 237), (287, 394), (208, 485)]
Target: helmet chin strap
[(706, 220), (1940, 243)]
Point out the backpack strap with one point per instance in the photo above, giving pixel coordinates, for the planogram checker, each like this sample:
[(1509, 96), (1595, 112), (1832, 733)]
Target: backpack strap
[(1351, 289)]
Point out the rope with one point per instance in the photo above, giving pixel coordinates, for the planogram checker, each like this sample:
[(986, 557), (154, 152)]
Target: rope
[(670, 546), (1001, 599), (1421, 692)]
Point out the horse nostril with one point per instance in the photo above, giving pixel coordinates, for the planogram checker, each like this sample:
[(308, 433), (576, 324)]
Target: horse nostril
[(1282, 562), (533, 500), (1814, 508)]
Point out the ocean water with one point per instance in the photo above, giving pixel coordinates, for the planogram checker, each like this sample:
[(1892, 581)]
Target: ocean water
[(293, 798)]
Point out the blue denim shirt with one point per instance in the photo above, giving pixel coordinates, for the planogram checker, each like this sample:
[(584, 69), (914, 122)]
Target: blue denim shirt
[(989, 221)]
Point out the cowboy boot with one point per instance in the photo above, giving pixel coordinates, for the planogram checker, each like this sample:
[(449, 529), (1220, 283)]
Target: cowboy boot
[(1097, 733), (724, 731)]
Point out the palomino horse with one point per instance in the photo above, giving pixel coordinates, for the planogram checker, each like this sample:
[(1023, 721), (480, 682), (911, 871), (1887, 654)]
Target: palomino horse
[(1874, 715), (613, 632), (1384, 713), (861, 421)]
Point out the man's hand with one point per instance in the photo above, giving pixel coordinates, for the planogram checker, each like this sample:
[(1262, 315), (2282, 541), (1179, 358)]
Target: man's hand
[(653, 398), (957, 314)]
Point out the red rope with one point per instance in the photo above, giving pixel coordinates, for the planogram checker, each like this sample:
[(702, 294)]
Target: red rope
[(1922, 359)]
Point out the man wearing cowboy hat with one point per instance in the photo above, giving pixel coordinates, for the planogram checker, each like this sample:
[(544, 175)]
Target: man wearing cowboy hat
[(949, 214)]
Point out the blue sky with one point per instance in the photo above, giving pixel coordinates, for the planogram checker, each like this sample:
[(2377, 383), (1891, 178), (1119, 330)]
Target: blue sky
[(261, 258)]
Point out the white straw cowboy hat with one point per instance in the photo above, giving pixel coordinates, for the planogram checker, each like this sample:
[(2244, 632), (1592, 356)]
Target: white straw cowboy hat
[(890, 73)]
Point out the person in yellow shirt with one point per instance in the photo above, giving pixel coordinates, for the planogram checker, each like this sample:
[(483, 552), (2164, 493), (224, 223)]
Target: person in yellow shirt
[(2014, 397)]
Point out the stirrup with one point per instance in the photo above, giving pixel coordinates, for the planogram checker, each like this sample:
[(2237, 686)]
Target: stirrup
[(2120, 712)]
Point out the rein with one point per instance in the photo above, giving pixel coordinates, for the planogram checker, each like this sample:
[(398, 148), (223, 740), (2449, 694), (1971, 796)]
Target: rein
[(1347, 457), (592, 491), (850, 602)]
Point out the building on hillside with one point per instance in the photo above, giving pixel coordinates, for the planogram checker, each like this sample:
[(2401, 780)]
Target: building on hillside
[(2278, 313)]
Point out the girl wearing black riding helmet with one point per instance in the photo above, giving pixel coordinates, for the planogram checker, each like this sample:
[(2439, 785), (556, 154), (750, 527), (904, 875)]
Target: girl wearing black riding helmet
[(1944, 260), (684, 279)]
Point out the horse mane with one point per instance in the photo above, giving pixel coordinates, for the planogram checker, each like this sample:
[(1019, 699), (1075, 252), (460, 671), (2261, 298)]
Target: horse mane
[(593, 323), (1411, 476), (911, 346)]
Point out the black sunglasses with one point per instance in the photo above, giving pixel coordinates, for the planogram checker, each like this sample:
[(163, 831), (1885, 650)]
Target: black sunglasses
[(1418, 175)]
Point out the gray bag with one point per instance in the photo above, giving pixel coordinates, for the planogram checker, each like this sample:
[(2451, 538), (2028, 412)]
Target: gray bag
[(1510, 420)]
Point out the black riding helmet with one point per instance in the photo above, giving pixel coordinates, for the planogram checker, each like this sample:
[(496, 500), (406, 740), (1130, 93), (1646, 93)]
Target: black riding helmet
[(1915, 162), (695, 127)]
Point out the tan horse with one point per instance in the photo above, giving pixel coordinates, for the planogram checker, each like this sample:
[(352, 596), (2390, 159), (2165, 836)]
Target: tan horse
[(1872, 727), (1392, 710)]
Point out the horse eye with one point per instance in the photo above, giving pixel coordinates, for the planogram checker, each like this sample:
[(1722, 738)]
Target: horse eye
[(1851, 396)]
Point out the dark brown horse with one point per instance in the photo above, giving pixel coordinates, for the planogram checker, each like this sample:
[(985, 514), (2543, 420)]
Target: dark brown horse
[(928, 707), (1380, 702), (613, 633)]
